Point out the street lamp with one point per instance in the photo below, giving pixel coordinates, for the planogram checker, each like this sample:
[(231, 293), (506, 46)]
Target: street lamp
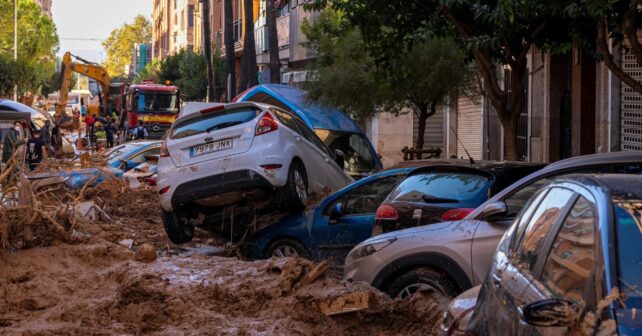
[(15, 43)]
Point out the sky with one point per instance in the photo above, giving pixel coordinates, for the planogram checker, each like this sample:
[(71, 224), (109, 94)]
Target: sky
[(93, 19)]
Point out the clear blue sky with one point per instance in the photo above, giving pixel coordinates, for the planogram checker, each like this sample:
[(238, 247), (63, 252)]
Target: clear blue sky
[(93, 19)]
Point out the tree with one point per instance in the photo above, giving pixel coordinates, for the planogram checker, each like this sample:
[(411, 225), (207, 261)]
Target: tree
[(229, 47), (187, 70), (273, 41), (207, 51), (37, 46), (150, 72), (249, 69), (598, 23), (497, 34), (120, 44), (421, 78)]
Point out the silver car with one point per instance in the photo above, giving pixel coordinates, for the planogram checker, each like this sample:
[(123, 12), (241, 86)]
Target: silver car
[(451, 257)]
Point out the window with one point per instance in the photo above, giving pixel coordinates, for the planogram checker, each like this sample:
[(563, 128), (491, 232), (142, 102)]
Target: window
[(190, 16), (212, 121), (264, 98), (359, 157), (443, 187), (366, 198), (540, 224), (310, 136), (628, 231), (287, 119), (516, 201), (140, 158), (571, 259)]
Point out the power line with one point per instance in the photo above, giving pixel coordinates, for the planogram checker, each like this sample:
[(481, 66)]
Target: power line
[(81, 39)]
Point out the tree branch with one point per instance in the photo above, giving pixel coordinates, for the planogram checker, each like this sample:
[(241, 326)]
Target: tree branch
[(630, 31), (603, 48)]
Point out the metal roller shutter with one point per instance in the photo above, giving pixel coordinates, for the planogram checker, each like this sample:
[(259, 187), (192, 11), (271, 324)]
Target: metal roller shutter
[(434, 135), (631, 107), (469, 127)]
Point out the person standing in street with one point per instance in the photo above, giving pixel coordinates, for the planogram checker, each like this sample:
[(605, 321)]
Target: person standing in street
[(110, 130), (89, 125), (45, 134), (36, 151), (140, 132), (11, 141)]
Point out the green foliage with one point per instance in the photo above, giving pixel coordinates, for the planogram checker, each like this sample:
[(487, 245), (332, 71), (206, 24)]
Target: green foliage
[(422, 75), (187, 70), (151, 72), (120, 44), (37, 45)]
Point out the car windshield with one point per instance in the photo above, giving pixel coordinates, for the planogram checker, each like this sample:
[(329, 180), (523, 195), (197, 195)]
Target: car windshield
[(443, 187), (359, 157), (119, 152), (628, 230), (212, 121), (157, 102)]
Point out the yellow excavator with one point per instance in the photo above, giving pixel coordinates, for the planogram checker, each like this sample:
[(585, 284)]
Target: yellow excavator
[(89, 69)]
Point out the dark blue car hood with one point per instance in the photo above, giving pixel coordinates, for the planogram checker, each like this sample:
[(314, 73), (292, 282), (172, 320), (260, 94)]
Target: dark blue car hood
[(323, 117)]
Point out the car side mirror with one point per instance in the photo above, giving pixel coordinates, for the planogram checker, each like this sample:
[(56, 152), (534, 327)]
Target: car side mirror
[(551, 313), (340, 158), (495, 211), (335, 213)]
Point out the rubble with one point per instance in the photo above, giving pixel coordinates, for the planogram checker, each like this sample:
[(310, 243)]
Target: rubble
[(146, 253)]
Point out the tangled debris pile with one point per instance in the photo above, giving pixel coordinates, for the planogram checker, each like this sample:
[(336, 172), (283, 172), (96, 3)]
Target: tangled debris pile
[(100, 288)]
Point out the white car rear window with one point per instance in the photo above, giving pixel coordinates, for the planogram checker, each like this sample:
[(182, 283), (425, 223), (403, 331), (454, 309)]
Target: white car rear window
[(212, 121)]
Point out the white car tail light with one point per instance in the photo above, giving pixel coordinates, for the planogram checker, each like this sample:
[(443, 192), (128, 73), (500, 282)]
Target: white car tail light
[(164, 152), (267, 124)]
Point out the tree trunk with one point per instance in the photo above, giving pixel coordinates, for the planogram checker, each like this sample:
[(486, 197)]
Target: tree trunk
[(249, 70), (243, 77), (510, 139), (207, 52), (424, 114), (229, 47), (273, 42)]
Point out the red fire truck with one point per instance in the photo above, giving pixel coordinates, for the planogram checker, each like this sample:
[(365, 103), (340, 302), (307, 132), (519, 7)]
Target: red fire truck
[(156, 105)]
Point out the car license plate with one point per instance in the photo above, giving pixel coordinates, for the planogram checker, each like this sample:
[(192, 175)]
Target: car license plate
[(210, 147)]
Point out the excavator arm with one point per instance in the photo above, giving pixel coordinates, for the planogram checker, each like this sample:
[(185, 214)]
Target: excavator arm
[(88, 69)]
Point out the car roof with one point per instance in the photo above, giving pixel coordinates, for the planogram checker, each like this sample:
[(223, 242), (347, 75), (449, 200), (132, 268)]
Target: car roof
[(628, 186), (320, 116), (10, 105), (601, 158), (494, 167)]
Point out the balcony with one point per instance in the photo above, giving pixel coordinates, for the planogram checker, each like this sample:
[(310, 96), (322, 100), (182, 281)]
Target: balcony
[(283, 31)]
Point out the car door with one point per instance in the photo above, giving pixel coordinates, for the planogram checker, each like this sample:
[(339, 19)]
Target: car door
[(336, 237), (511, 281), (308, 152)]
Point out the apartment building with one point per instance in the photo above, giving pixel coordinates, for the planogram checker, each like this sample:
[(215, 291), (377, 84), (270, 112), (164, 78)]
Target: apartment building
[(177, 25)]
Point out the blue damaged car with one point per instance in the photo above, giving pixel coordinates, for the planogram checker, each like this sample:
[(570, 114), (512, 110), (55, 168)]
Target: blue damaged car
[(334, 127), (331, 229), (119, 160)]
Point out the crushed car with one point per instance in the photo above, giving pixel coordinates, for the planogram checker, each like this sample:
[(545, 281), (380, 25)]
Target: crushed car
[(328, 230), (235, 156), (333, 127)]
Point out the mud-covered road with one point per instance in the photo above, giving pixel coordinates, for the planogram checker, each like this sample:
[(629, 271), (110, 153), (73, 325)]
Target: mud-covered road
[(93, 285)]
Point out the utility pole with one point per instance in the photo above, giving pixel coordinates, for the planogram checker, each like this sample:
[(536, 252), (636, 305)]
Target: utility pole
[(15, 43)]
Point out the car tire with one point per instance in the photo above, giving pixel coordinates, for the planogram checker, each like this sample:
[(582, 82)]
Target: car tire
[(295, 192), (283, 248), (177, 231), (423, 278)]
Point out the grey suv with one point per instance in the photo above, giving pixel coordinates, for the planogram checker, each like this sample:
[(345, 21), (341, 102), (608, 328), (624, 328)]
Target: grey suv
[(451, 257)]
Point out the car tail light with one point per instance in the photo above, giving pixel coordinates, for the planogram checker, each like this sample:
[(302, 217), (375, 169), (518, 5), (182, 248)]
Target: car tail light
[(164, 152), (456, 214), (150, 180), (267, 124), (164, 190), (271, 166), (387, 212)]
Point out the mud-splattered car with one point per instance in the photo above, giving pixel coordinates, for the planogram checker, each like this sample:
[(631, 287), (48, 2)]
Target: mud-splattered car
[(570, 263), (228, 154), (450, 257)]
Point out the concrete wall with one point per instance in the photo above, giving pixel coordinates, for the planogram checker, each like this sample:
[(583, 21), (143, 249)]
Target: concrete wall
[(389, 134)]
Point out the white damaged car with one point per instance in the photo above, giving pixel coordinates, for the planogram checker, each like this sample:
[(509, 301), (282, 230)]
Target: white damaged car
[(225, 154)]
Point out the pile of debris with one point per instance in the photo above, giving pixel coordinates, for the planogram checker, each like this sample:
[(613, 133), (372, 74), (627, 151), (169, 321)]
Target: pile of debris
[(101, 288)]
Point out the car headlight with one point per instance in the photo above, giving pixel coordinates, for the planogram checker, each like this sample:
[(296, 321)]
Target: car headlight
[(365, 250)]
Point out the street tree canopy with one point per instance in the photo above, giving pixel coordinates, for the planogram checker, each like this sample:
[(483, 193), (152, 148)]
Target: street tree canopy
[(120, 44), (419, 79), (37, 46), (600, 24), (493, 32)]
